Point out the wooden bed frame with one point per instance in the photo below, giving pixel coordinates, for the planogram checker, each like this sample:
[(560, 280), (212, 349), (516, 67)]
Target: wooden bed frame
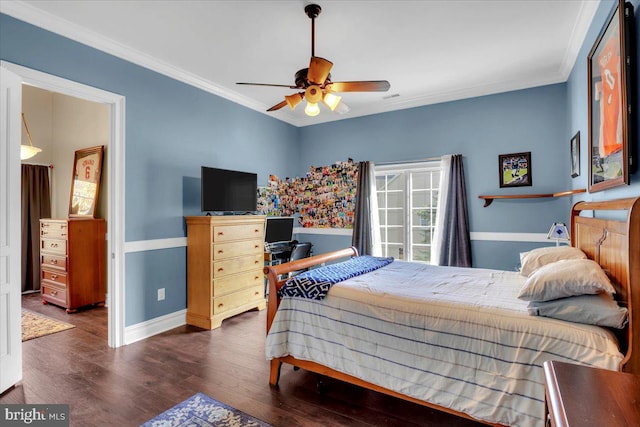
[(614, 244)]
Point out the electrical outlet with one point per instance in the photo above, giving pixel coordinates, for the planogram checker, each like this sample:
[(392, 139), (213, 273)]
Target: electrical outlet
[(161, 294)]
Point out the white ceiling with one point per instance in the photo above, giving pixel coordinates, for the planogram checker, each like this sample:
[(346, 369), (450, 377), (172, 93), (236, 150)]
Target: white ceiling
[(430, 51)]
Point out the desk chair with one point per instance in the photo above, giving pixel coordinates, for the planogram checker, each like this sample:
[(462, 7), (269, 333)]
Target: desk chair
[(299, 251)]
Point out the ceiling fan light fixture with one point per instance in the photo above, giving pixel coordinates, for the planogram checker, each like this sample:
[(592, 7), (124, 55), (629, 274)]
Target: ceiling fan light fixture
[(313, 94), (342, 108), (331, 100), (293, 100), (312, 109)]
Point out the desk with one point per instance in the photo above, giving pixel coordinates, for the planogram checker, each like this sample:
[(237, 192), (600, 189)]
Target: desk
[(581, 396)]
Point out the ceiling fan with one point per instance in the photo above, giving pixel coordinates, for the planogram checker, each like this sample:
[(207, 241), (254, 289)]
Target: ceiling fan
[(315, 81)]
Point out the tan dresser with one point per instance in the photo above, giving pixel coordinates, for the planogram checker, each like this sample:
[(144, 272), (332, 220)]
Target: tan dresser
[(224, 267), (72, 261)]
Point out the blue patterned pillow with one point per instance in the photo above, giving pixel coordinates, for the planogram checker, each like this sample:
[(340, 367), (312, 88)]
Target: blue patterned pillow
[(315, 284)]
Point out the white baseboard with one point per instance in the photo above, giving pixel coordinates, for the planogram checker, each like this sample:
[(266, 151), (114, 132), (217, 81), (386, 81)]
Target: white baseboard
[(155, 326)]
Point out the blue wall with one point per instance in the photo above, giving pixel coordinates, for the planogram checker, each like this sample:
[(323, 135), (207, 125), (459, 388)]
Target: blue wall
[(577, 103), (480, 129), (171, 130)]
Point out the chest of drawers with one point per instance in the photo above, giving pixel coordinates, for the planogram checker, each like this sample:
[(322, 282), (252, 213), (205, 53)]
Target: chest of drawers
[(224, 267), (72, 261)]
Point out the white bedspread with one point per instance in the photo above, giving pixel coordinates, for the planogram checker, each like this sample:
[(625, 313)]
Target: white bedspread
[(455, 337)]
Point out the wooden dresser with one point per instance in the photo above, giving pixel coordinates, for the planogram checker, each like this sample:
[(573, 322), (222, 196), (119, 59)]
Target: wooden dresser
[(72, 261), (224, 267)]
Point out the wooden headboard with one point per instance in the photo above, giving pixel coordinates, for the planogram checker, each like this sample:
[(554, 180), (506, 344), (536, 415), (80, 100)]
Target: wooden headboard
[(615, 245)]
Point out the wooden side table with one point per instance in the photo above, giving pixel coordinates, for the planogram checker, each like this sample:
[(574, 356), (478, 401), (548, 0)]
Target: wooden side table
[(581, 396)]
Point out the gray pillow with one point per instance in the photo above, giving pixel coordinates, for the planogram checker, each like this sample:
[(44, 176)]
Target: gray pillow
[(600, 310)]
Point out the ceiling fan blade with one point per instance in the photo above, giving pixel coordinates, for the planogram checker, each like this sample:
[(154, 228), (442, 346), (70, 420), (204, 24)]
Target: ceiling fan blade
[(267, 84), (319, 70), (362, 86), (278, 106)]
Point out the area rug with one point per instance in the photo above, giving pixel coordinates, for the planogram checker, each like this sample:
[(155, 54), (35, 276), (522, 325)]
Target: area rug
[(202, 411), (35, 325)]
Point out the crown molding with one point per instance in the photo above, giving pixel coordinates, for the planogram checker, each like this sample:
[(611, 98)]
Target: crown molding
[(578, 34), (32, 15), (49, 22)]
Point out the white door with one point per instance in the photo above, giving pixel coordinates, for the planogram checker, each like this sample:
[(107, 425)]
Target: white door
[(10, 265)]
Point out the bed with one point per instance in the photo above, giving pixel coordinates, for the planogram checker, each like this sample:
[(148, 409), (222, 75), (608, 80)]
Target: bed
[(476, 355)]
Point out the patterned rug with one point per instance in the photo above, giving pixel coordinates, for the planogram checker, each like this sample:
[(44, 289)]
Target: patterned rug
[(202, 411), (36, 325)]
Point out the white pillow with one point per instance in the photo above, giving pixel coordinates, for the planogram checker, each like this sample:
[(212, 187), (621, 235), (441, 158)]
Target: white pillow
[(532, 260), (600, 310), (566, 278)]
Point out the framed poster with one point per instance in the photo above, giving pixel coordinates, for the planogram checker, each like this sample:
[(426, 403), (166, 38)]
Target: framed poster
[(85, 182), (514, 169), (609, 65), (574, 147)]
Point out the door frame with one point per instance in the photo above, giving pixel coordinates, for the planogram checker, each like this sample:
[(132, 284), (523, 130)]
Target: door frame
[(116, 160)]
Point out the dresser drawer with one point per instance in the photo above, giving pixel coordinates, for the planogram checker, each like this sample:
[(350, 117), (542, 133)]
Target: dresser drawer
[(237, 299), (236, 265), (54, 262), (234, 249), (54, 229), (53, 294), (54, 276), (236, 282), (227, 233), (53, 246)]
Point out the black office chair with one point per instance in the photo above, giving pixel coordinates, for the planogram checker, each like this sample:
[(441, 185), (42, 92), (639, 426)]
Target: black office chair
[(299, 251)]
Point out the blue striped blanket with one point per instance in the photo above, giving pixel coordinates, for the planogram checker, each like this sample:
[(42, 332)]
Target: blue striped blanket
[(315, 284)]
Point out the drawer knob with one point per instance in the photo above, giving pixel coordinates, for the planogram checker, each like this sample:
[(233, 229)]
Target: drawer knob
[(54, 292), (220, 305), (220, 233), (221, 269), (256, 278), (256, 262), (256, 231), (54, 276), (54, 261), (63, 234), (256, 246), (256, 293), (220, 251)]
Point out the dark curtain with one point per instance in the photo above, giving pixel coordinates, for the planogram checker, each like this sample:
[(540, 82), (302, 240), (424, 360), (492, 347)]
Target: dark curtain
[(365, 227), (36, 204), (455, 247)]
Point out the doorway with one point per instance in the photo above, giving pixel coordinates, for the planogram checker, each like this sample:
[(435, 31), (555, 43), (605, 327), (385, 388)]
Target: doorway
[(59, 125), (114, 201)]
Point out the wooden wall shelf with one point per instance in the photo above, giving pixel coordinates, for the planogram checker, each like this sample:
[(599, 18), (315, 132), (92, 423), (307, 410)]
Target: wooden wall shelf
[(489, 199)]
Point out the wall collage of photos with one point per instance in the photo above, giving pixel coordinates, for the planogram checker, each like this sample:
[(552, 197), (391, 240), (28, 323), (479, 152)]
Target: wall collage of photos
[(324, 198)]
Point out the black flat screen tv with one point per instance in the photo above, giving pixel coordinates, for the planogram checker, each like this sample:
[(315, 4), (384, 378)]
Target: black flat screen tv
[(228, 191)]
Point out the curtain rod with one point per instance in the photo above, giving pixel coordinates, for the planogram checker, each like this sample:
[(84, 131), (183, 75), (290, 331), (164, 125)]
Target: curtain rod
[(399, 162), (38, 164)]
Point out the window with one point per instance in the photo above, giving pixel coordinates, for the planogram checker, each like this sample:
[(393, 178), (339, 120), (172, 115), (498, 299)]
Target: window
[(407, 204)]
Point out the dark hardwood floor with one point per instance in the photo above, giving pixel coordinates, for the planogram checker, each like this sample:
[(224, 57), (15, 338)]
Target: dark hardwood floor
[(130, 385)]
